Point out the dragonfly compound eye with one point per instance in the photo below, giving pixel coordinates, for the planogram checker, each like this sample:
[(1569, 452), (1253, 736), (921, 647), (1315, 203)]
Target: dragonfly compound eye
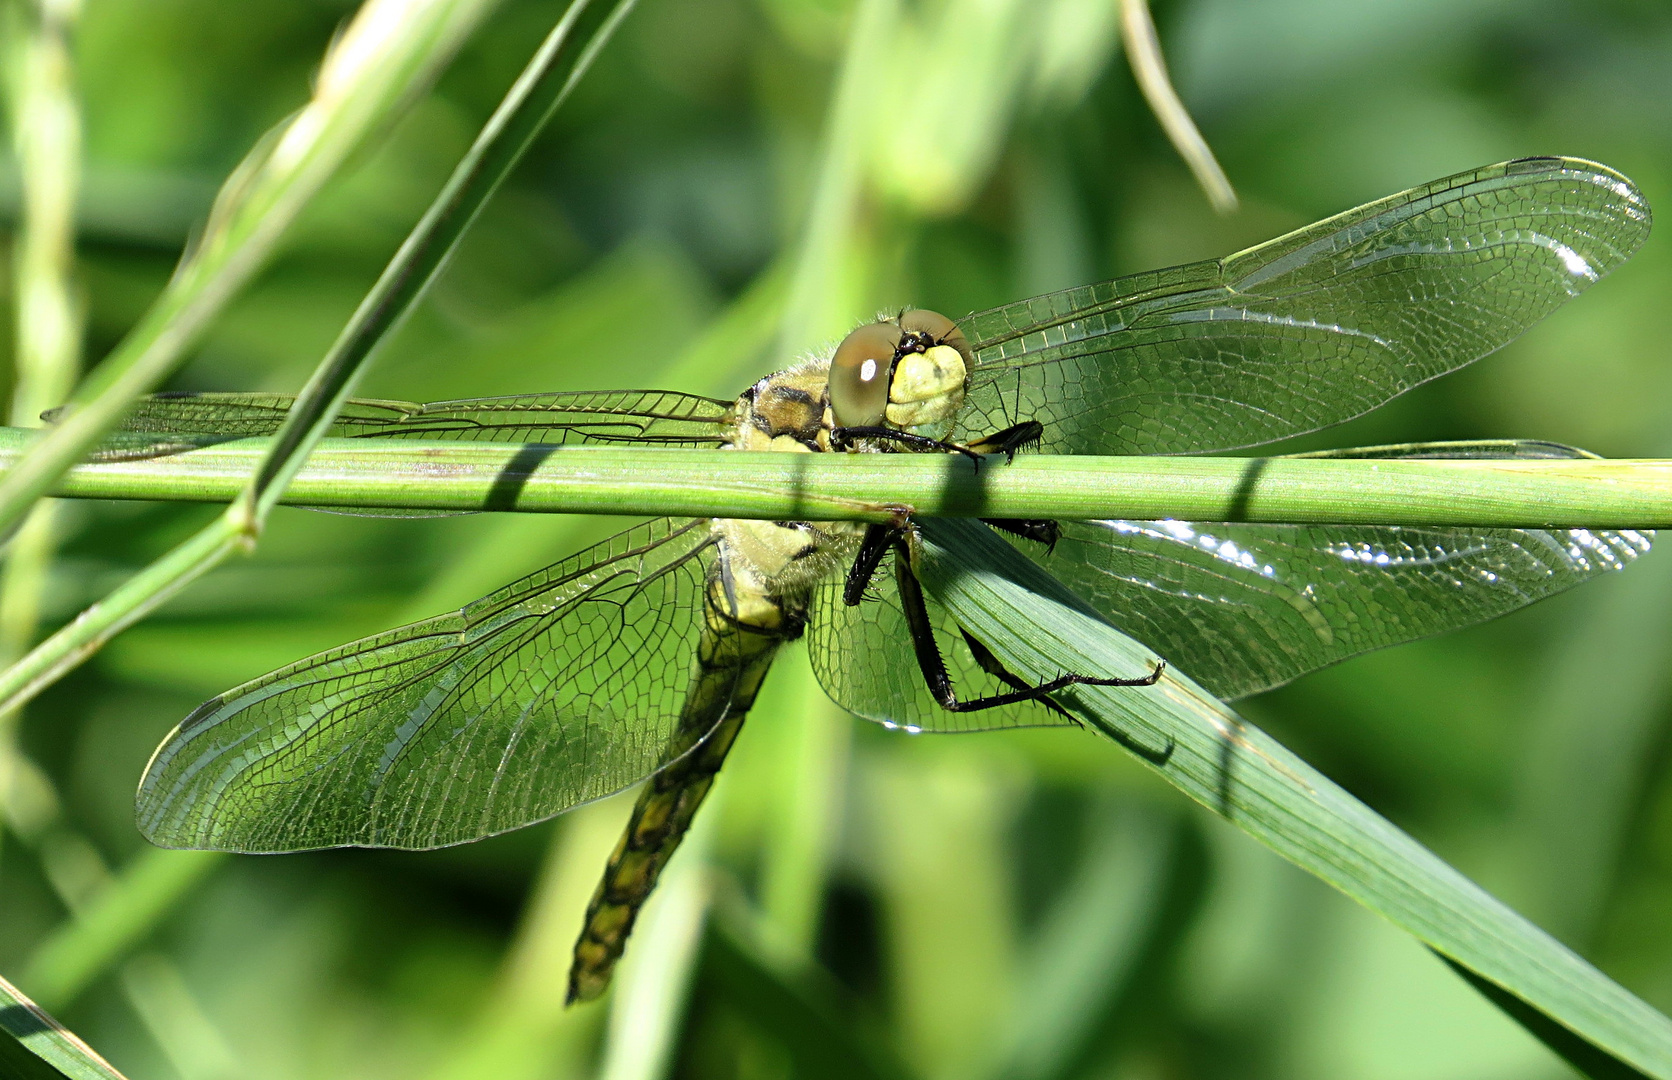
[(928, 383), (860, 373), (937, 329)]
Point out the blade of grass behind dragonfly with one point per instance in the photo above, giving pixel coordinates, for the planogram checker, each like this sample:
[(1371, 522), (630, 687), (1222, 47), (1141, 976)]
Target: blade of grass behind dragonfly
[(45, 119), (1149, 68), (556, 66), (34, 1046), (561, 59), (1200, 746), (113, 922), (523, 1030), (390, 50), (86, 948)]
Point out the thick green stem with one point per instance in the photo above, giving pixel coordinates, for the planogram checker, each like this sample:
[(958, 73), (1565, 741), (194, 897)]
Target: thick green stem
[(1579, 493), (46, 137)]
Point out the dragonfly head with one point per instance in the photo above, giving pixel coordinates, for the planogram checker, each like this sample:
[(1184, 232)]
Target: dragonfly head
[(906, 372)]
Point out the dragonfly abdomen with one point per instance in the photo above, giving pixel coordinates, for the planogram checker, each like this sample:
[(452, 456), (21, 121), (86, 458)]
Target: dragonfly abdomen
[(732, 661)]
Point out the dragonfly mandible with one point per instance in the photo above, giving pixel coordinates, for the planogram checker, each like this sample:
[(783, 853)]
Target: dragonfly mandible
[(638, 659)]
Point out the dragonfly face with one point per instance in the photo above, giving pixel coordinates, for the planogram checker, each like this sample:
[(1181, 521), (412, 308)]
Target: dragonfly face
[(636, 660), (908, 373)]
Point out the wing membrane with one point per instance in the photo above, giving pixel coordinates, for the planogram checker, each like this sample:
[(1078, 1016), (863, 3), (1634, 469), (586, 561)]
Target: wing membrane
[(1307, 330), (863, 658), (1244, 608), (558, 689), (658, 417)]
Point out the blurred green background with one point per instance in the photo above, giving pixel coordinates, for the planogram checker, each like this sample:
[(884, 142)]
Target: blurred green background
[(1029, 905)]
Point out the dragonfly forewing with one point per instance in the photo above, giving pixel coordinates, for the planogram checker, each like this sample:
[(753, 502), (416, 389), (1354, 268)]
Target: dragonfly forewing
[(1308, 330), (640, 417)]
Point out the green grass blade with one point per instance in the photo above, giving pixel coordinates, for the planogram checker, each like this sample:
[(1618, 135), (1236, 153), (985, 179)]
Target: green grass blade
[(392, 48), (34, 1046), (1594, 1062), (1208, 752), (1576, 493), (561, 60), (559, 63), (1149, 68), (133, 600)]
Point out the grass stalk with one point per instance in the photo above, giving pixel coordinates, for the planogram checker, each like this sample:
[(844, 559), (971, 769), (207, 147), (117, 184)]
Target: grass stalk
[(559, 63), (391, 49), (1149, 68), (34, 1046), (112, 921), (1530, 493), (561, 60), (45, 121), (131, 601)]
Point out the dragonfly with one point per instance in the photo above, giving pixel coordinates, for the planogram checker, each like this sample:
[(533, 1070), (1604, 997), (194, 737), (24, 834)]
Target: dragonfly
[(637, 660)]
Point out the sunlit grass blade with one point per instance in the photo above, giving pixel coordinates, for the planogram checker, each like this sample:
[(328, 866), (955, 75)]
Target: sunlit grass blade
[(391, 49), (559, 63), (561, 60), (1149, 67), (1212, 755), (522, 1030), (45, 117), (425, 475), (34, 1046), (648, 1002)]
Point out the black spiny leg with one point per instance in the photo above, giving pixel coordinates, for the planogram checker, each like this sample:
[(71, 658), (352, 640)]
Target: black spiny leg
[(993, 666), (1039, 530), (842, 437), (878, 539), (933, 665), (1011, 439)]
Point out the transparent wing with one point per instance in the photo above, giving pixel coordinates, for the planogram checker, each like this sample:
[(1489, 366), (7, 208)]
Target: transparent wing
[(1244, 608), (1307, 330), (172, 422), (627, 416), (560, 688), (863, 658)]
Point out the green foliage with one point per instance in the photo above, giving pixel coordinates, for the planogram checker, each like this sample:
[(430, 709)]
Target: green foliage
[(967, 920)]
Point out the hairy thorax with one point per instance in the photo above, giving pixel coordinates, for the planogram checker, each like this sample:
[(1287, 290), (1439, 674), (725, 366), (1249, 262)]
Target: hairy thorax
[(907, 374)]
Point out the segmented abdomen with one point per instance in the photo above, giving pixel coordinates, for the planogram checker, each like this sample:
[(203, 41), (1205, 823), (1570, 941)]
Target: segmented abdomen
[(732, 660)]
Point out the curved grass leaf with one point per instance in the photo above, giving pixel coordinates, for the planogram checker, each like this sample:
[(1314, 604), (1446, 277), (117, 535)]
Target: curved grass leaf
[(1203, 748), (34, 1046)]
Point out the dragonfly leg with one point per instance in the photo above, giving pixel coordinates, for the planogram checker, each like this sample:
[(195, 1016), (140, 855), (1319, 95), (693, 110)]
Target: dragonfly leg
[(878, 539), (993, 666), (1011, 439), (933, 665), (843, 437), (1039, 530)]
